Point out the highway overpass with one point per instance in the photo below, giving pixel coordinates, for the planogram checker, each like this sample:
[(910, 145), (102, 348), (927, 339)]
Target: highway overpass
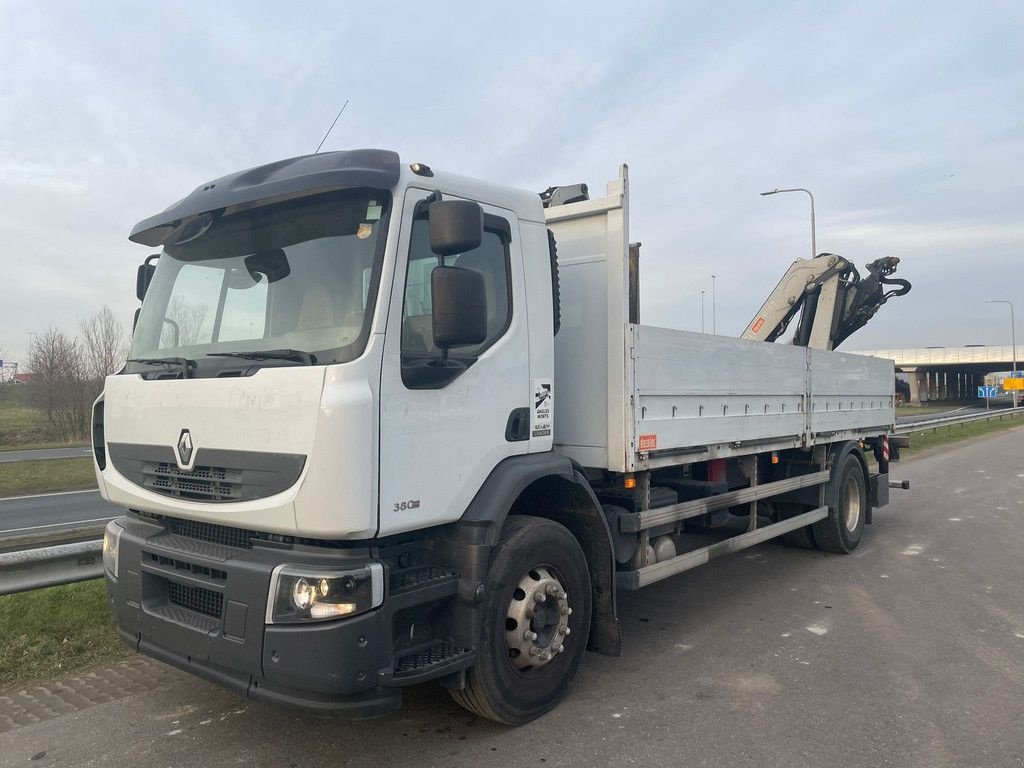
[(947, 373)]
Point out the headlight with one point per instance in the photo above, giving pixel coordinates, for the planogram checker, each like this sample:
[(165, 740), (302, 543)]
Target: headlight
[(306, 594), (111, 545)]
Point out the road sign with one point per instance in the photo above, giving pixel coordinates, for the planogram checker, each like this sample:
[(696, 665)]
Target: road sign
[(988, 392), (1013, 384)]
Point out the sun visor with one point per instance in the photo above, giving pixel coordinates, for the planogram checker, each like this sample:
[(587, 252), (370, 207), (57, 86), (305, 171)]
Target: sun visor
[(373, 168)]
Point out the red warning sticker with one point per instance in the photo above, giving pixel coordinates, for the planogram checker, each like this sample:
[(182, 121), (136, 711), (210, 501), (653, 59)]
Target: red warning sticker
[(757, 325), (648, 443)]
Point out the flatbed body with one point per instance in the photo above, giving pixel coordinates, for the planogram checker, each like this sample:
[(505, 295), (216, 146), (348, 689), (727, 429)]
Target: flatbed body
[(631, 397)]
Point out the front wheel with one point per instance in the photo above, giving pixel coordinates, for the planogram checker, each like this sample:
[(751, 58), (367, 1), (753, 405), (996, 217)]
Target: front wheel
[(536, 615), (842, 530)]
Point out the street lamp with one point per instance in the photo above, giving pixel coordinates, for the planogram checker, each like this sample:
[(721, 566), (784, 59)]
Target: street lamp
[(702, 311), (1013, 338), (814, 247), (714, 323)]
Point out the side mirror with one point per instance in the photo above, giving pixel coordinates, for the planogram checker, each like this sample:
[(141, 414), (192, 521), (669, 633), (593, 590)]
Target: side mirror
[(456, 226), (144, 276), (459, 307)]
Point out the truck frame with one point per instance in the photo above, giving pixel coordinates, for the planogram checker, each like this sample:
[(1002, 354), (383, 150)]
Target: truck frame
[(445, 444)]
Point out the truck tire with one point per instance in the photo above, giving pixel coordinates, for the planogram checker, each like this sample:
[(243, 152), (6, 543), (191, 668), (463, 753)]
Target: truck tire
[(801, 538), (536, 615), (842, 530)]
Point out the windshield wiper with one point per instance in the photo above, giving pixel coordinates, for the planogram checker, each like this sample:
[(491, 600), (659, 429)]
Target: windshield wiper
[(170, 363), (295, 355)]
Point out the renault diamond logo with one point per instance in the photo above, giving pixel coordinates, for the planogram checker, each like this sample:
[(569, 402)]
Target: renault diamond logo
[(184, 447)]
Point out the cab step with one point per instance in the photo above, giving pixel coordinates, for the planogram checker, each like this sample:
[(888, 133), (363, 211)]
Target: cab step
[(422, 585), (430, 660)]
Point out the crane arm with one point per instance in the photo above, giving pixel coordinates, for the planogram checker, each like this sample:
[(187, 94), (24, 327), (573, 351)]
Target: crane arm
[(832, 299)]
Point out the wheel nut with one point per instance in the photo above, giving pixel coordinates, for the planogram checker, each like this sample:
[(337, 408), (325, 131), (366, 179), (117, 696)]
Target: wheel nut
[(552, 590), (565, 610), (530, 635), (538, 597), (561, 648), (567, 631)]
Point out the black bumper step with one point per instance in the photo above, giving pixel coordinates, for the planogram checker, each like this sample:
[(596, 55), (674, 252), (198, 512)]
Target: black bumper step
[(427, 661), (403, 581), (421, 585)]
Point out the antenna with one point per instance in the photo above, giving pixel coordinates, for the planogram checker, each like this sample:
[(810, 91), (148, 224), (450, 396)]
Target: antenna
[(331, 128)]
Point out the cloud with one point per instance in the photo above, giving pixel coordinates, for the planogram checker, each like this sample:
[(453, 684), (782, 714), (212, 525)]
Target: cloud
[(902, 119)]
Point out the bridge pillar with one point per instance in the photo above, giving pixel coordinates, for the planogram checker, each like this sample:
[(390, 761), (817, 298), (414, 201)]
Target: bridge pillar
[(918, 381)]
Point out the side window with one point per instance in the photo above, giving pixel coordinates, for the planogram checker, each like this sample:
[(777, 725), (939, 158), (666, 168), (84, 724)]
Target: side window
[(490, 259)]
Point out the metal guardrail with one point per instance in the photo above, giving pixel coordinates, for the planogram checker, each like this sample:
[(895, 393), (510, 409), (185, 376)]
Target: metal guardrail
[(47, 566), (949, 421), (29, 569)]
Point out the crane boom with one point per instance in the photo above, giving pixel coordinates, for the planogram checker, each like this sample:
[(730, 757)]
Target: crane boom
[(831, 298)]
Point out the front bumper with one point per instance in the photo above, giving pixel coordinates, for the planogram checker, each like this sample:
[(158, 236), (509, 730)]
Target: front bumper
[(200, 605)]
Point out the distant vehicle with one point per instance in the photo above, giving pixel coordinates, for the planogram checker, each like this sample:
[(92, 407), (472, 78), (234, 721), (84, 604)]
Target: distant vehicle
[(382, 424)]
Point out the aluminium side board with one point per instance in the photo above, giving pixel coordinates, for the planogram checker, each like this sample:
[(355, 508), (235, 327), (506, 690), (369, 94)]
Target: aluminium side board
[(633, 397)]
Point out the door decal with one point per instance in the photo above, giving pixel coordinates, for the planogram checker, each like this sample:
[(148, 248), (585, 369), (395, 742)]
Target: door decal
[(543, 400)]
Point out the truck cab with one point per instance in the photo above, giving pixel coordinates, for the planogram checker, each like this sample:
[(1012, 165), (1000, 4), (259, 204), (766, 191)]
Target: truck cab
[(291, 401)]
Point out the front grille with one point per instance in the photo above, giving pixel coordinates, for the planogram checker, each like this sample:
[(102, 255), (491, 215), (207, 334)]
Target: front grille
[(215, 534), (199, 483), (195, 599)]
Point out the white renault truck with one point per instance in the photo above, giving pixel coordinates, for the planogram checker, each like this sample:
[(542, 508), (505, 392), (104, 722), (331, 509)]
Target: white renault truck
[(383, 424)]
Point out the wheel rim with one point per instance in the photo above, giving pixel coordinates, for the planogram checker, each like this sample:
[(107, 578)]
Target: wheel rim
[(853, 504), (537, 620)]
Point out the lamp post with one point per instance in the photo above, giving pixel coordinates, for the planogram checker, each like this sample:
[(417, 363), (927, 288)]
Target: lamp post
[(814, 245), (714, 322), (1013, 338), (702, 311)]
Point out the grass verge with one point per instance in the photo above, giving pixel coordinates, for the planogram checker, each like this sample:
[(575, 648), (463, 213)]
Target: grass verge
[(51, 633), (933, 438), (21, 478)]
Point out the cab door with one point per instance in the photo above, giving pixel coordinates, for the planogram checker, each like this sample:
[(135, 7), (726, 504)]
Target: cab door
[(444, 428)]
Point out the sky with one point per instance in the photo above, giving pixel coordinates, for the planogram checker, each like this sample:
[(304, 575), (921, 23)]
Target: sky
[(905, 119)]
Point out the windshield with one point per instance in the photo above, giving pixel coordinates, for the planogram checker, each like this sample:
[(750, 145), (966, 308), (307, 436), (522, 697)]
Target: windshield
[(298, 275)]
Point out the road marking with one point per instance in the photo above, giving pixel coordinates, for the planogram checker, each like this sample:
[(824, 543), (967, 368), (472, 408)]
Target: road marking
[(41, 495), (817, 629), (58, 525), (913, 549)]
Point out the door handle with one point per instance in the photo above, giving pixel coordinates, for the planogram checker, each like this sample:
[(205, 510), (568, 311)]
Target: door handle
[(517, 428)]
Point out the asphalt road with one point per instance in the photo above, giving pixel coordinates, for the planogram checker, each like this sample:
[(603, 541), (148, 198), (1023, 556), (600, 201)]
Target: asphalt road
[(44, 453), (24, 514), (910, 652)]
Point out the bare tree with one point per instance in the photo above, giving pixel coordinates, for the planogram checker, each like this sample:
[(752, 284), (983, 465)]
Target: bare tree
[(188, 324), (61, 385), (104, 344)]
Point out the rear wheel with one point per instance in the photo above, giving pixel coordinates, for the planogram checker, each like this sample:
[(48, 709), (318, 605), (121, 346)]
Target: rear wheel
[(842, 530), (536, 622)]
